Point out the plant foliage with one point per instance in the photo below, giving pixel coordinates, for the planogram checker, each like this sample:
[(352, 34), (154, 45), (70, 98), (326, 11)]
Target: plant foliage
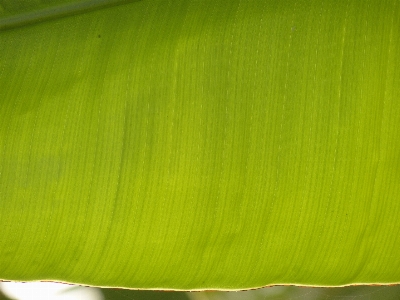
[(192, 145)]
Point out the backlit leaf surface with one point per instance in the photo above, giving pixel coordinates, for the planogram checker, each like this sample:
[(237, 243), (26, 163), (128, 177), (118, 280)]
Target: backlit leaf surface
[(190, 144)]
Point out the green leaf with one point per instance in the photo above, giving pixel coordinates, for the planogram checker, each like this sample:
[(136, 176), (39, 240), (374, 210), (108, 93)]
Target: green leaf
[(118, 294), (200, 144)]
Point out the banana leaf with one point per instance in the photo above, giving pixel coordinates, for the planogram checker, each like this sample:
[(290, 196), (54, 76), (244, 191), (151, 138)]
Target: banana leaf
[(200, 144)]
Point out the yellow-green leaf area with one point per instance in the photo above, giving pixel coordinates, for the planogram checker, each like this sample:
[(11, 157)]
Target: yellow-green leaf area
[(202, 144)]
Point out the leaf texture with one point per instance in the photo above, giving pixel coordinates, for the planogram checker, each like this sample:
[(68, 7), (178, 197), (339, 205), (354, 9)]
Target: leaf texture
[(201, 144)]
